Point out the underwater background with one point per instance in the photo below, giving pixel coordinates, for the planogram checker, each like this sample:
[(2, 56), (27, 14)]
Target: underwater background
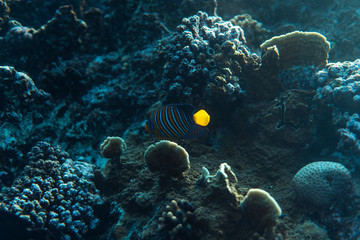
[(101, 138)]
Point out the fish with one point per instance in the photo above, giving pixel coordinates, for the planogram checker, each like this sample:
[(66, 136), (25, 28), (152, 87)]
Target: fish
[(177, 121)]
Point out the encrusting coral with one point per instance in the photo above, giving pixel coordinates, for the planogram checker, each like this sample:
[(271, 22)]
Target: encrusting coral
[(167, 158)]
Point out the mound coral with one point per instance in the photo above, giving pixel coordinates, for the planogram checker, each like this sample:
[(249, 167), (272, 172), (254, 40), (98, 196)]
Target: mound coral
[(206, 57), (167, 158), (322, 184)]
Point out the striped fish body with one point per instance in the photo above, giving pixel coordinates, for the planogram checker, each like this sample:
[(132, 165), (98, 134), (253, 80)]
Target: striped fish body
[(174, 122)]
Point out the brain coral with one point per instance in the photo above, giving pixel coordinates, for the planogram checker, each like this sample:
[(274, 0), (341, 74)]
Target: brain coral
[(206, 57), (322, 183)]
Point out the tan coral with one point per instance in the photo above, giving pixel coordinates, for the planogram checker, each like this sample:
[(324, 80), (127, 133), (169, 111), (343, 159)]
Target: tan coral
[(167, 158), (260, 208), (112, 147), (299, 48)]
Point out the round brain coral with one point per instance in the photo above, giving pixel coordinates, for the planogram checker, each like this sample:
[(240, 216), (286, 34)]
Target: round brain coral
[(322, 183), (168, 158)]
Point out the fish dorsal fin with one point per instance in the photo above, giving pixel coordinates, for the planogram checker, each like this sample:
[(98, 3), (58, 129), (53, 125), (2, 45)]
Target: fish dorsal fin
[(188, 109)]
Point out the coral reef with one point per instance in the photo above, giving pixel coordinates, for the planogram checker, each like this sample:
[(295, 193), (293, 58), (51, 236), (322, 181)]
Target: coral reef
[(54, 192), (167, 158), (90, 69), (322, 184)]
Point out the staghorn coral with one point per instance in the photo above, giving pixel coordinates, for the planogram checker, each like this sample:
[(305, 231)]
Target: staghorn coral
[(299, 48), (167, 158), (322, 184), (54, 192), (205, 60)]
